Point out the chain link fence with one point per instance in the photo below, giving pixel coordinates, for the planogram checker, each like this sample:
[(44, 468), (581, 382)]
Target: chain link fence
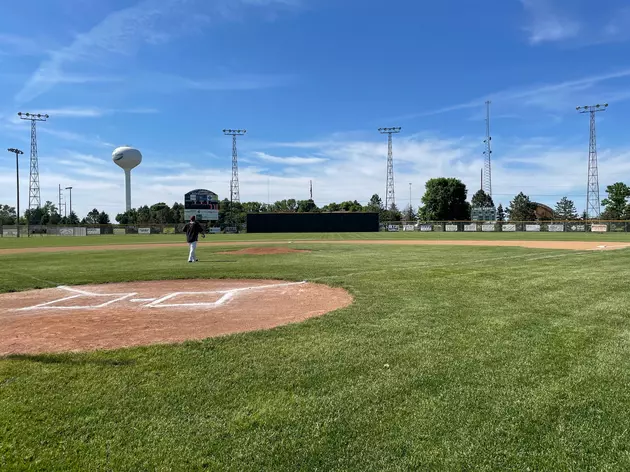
[(391, 226), (507, 227), (7, 231)]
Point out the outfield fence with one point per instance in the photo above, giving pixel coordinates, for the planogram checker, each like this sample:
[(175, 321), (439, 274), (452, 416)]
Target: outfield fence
[(509, 227), (8, 231), (96, 230)]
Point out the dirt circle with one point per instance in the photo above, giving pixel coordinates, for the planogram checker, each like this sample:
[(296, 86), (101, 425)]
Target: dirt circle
[(261, 251), (110, 316)]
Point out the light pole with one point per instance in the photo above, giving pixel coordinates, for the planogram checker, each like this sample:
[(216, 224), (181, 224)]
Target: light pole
[(70, 188), (17, 153)]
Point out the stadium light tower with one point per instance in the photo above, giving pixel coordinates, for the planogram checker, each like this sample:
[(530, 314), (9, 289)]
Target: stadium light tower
[(34, 199), (593, 206), (487, 162), (390, 198), (234, 187), (17, 153)]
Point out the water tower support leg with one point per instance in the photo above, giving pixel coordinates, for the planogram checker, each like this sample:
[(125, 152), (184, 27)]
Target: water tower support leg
[(128, 189)]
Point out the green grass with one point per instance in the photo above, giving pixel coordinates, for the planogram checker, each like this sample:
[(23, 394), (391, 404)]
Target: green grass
[(69, 241), (451, 358)]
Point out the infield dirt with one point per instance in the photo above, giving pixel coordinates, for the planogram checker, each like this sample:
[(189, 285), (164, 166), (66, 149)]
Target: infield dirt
[(117, 315)]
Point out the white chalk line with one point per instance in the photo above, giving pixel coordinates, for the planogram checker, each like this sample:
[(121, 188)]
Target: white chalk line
[(226, 295)]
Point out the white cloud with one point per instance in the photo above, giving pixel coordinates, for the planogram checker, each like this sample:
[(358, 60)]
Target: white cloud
[(289, 161), (354, 169), (547, 23)]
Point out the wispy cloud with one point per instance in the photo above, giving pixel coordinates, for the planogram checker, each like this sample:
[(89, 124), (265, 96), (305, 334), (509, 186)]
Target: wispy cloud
[(547, 23), (75, 137), (289, 161), (15, 45), (558, 96), (124, 32), (574, 23), (86, 112)]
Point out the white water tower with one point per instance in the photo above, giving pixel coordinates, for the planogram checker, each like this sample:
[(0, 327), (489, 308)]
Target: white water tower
[(127, 158)]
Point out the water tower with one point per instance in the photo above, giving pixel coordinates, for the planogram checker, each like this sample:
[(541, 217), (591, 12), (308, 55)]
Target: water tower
[(127, 158)]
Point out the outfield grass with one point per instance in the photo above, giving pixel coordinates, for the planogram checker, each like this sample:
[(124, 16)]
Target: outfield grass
[(451, 358), (68, 241)]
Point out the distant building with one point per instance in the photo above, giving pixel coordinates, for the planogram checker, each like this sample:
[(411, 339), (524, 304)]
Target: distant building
[(543, 212)]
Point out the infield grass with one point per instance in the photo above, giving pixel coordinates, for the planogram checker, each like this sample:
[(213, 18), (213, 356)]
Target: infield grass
[(451, 358)]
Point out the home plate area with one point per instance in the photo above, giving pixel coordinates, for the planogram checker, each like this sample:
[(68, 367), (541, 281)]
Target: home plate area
[(89, 317)]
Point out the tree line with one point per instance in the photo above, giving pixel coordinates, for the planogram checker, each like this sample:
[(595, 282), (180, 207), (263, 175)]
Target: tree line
[(445, 199), (48, 214)]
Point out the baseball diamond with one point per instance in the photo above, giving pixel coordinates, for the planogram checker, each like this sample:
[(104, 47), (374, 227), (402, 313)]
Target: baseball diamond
[(307, 351)]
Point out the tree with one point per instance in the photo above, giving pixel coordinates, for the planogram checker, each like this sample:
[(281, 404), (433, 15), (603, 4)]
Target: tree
[(306, 206), (422, 214), (565, 210), (73, 219), (97, 218), (284, 206), (393, 214), (409, 213), (375, 204), (482, 199), (352, 206), (617, 202), (331, 207), (445, 200), (92, 217), (161, 213), (253, 207), (522, 209), (7, 215), (129, 217), (141, 216), (177, 210), (103, 218), (500, 213)]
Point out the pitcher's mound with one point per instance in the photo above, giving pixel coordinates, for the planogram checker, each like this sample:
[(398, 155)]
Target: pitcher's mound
[(259, 251), (139, 313)]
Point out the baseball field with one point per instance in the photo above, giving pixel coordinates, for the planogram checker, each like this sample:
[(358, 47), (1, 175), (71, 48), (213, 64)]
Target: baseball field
[(293, 352)]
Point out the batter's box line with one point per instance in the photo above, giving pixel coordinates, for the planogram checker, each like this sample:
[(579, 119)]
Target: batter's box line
[(79, 293), (227, 295)]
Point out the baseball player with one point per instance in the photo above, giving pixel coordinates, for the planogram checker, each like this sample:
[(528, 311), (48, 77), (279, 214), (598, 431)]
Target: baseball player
[(193, 228)]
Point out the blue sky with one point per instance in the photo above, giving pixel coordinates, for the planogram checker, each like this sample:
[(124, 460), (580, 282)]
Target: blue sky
[(311, 81)]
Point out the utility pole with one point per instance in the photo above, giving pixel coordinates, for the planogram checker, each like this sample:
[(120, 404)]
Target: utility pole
[(234, 186), (390, 198), (410, 207), (70, 188), (593, 206), (60, 198), (487, 164), (311, 188), (34, 199), (17, 153)]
